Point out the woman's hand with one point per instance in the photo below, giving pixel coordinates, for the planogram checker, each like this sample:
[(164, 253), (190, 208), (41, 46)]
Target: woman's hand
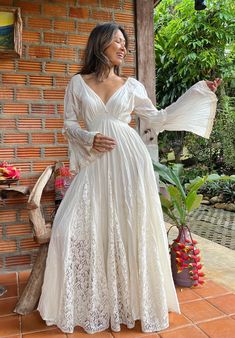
[(103, 143), (213, 85)]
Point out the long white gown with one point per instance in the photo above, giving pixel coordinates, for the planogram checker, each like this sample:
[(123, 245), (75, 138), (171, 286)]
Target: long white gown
[(108, 260)]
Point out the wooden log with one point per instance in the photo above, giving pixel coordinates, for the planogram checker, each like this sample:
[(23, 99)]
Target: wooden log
[(30, 296), (36, 194), (42, 231)]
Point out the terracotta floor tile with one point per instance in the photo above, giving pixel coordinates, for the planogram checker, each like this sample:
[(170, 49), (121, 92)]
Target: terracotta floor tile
[(7, 305), (33, 322), (133, 333), (23, 276), (9, 325), (200, 310), (177, 320), (210, 289), (53, 333), (191, 331), (225, 303), (186, 294), (9, 278), (219, 328), (11, 290), (15, 336), (104, 334)]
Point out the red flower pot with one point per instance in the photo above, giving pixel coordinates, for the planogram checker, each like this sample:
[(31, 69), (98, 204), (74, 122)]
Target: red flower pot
[(184, 260)]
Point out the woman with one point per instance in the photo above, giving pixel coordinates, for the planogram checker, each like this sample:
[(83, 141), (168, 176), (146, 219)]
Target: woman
[(108, 260)]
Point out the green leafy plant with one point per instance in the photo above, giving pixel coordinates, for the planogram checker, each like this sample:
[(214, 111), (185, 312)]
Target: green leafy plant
[(180, 199), (191, 46)]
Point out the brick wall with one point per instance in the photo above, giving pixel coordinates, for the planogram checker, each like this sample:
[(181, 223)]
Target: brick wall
[(31, 101)]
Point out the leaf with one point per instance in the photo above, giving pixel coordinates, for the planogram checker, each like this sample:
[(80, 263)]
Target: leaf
[(196, 184), (193, 201), (166, 202), (177, 200)]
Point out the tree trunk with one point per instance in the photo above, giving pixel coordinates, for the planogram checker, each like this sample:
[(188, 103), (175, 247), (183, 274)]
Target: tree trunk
[(30, 296)]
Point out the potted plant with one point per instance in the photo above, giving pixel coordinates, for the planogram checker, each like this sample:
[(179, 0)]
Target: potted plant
[(178, 201)]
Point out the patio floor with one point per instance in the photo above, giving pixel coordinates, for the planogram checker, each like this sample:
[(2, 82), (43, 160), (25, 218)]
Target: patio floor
[(207, 311)]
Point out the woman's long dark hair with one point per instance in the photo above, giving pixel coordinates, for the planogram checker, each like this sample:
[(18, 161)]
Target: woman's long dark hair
[(95, 59)]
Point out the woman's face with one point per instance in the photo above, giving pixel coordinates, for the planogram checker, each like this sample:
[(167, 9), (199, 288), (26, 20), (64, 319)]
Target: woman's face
[(116, 51)]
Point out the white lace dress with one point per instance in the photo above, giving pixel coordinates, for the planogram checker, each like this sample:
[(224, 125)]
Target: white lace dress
[(108, 260)]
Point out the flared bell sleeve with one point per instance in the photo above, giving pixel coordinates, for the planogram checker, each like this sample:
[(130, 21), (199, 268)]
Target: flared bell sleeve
[(194, 111), (80, 141)]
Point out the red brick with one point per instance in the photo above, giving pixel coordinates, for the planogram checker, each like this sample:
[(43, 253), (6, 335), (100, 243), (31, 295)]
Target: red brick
[(54, 67), (29, 123), (40, 80), (6, 94), (124, 18), (23, 166), (28, 243), (48, 196), (57, 38), (40, 166), (24, 214), (28, 152), (56, 152), (130, 30), (54, 10), (18, 230), (89, 2), (29, 66), (128, 71), (61, 139), (7, 216), (39, 52), (15, 138), (77, 40), (18, 260), (28, 6), (65, 53), (54, 123), (28, 94), (64, 25), (7, 65), (15, 108), (16, 201), (60, 109), (61, 81), (7, 246), (13, 79), (39, 23), (30, 36), (73, 69), (81, 13), (7, 123), (7, 153), (111, 4), (86, 27), (43, 138), (128, 6), (6, 2), (43, 108), (101, 15), (130, 58), (53, 94)]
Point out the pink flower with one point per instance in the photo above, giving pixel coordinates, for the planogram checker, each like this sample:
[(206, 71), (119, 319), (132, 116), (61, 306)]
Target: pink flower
[(8, 171)]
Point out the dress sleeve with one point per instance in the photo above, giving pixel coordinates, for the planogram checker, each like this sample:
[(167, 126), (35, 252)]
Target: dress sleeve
[(80, 141), (194, 111)]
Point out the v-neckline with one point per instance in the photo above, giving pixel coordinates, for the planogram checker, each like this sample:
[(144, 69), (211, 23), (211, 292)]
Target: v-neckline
[(92, 90)]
